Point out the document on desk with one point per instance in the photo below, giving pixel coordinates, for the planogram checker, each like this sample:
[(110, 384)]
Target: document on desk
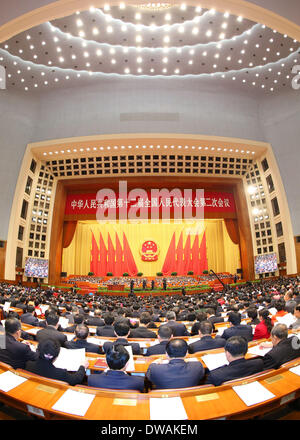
[(286, 319), (130, 365), (273, 311), (216, 360), (70, 359), (33, 331), (259, 351), (295, 370), (44, 307), (6, 306), (253, 393), (9, 381), (73, 402), (70, 336), (95, 341), (64, 322), (92, 330), (167, 409)]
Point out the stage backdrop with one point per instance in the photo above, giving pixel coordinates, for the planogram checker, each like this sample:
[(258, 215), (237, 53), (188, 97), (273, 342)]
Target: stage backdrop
[(150, 248)]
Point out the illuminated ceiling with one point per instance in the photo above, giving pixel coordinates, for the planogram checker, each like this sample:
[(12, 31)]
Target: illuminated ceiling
[(154, 40)]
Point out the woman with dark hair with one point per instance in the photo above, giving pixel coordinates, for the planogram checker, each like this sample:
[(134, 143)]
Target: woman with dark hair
[(48, 351), (263, 329)]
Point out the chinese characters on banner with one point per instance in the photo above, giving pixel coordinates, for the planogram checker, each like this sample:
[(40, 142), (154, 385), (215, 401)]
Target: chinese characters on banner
[(211, 201)]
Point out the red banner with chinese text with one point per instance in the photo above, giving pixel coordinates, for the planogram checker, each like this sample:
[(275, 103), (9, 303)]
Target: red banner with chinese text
[(211, 201)]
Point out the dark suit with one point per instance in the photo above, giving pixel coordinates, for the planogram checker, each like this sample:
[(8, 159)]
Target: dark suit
[(118, 380), (238, 330), (94, 320), (106, 330), (235, 370), (50, 332), (286, 350), (136, 349), (28, 318), (45, 368), (142, 332), (157, 348), (215, 319), (206, 343), (70, 329), (178, 329), (16, 354), (82, 343), (21, 306), (176, 374)]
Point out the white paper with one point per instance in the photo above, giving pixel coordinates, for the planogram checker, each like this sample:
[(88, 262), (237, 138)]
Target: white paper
[(216, 360), (130, 365), (33, 331), (143, 344), (73, 402), (94, 341), (9, 381), (92, 329), (43, 308), (253, 393), (259, 351), (286, 319), (273, 311), (64, 322), (167, 409), (295, 370), (191, 340), (6, 306), (69, 336), (221, 331), (3, 322), (70, 359), (91, 313), (191, 360)]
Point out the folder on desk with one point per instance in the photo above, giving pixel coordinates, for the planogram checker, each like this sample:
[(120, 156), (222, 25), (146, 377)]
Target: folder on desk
[(259, 351), (6, 306), (130, 365), (9, 381), (101, 363), (167, 409), (295, 370), (288, 319), (253, 393), (74, 402)]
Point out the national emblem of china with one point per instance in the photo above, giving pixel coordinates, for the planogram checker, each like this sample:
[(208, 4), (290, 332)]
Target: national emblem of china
[(149, 250)]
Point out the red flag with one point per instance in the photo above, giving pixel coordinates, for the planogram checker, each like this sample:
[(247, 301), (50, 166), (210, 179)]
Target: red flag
[(94, 256), (129, 263), (170, 261), (119, 267), (187, 255), (195, 256), (179, 256), (203, 254), (103, 258), (111, 256)]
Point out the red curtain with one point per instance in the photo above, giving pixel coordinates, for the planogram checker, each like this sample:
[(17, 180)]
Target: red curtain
[(68, 232), (170, 262), (232, 229)]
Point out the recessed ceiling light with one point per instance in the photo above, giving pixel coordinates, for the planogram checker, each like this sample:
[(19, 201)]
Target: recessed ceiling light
[(195, 31), (138, 16), (208, 33), (124, 28), (166, 39), (109, 29), (139, 60), (240, 18), (183, 6), (181, 29), (61, 59), (165, 60), (95, 31), (190, 61), (127, 70), (79, 22), (138, 38), (81, 33), (222, 36)]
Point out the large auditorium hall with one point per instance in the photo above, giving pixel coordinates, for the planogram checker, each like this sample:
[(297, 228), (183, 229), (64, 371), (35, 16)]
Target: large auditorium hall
[(150, 216)]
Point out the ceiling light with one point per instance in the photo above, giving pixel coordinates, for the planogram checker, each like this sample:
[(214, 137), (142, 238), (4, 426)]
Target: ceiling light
[(183, 6), (195, 31), (81, 34), (109, 29), (168, 17), (138, 38), (124, 28), (113, 61), (106, 7), (139, 59), (112, 51), (222, 36), (127, 70), (165, 59), (166, 39), (79, 22), (240, 18), (138, 16), (61, 59), (191, 52), (181, 29), (208, 33), (190, 61), (95, 31)]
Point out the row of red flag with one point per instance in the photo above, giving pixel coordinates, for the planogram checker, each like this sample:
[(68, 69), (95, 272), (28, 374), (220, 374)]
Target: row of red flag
[(119, 259)]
